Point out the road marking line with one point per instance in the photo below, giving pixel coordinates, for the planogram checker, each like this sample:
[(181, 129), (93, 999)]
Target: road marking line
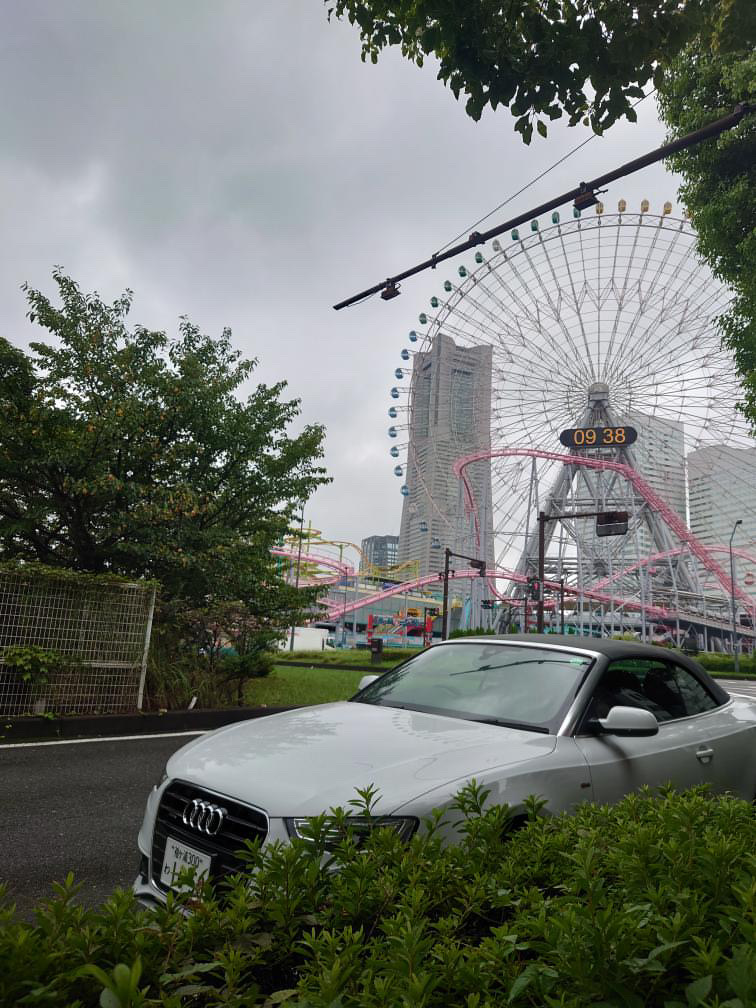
[(109, 738)]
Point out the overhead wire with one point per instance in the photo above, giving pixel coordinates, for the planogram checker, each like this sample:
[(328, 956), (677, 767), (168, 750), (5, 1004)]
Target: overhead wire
[(543, 174)]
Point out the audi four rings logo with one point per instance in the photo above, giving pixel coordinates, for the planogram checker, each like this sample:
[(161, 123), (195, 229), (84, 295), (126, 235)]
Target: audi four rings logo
[(203, 816)]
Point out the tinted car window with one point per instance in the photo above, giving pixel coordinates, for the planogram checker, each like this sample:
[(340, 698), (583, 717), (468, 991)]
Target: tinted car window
[(528, 686), (695, 697), (665, 688)]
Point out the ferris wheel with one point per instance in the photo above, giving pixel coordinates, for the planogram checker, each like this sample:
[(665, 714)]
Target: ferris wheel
[(595, 322)]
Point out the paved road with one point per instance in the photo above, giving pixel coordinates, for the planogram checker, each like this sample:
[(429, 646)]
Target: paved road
[(75, 807), (746, 686), (78, 806)]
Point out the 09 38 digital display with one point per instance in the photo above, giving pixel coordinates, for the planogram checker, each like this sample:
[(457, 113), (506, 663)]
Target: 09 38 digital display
[(598, 437)]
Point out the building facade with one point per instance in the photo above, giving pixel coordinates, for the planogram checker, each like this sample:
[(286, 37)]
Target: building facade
[(722, 486), (379, 551), (450, 416)]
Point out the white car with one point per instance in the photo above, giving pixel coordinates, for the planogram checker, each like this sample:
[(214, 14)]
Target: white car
[(568, 719)]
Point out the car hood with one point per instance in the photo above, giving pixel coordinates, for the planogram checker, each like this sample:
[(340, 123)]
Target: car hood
[(305, 761)]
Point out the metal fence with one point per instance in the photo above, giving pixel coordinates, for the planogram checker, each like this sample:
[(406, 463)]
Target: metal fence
[(100, 628)]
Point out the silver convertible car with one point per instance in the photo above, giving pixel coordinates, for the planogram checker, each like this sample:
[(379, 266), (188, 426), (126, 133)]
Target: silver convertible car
[(568, 719)]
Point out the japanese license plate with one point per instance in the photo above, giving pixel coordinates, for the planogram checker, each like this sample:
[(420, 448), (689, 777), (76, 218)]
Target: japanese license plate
[(178, 857)]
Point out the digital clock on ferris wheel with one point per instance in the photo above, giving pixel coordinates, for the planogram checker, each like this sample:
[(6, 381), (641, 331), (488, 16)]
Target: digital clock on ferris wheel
[(598, 437)]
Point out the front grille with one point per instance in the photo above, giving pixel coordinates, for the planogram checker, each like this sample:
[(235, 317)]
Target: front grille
[(241, 823)]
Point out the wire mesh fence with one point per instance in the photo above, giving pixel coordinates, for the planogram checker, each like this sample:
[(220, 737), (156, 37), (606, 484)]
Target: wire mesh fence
[(99, 628)]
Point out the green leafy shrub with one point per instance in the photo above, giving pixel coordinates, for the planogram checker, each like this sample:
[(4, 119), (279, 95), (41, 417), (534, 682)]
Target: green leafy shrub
[(649, 903), (34, 665), (472, 632)]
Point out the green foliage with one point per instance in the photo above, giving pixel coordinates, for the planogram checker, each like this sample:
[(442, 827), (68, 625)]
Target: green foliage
[(34, 665), (542, 60), (473, 632), (132, 453), (649, 904), (719, 187)]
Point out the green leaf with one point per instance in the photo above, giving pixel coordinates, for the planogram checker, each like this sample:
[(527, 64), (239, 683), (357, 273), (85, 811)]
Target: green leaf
[(697, 991)]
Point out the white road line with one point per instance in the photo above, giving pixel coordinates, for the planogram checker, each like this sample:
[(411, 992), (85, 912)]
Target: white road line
[(110, 738)]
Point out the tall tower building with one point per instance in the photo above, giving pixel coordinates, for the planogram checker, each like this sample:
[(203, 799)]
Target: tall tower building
[(450, 416), (722, 487)]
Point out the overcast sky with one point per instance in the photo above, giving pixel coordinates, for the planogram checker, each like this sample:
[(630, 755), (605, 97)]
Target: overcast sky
[(235, 161)]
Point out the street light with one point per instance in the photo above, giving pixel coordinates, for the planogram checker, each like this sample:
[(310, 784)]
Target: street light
[(735, 654)]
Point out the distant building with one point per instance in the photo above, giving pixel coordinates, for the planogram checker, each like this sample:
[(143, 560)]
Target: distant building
[(659, 455), (722, 487), (379, 551), (450, 417)]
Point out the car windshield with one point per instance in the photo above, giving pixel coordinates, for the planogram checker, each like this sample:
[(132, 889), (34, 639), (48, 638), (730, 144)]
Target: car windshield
[(519, 686)]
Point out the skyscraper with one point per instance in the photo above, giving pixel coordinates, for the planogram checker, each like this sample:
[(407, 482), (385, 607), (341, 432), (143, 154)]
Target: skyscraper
[(450, 416), (722, 486)]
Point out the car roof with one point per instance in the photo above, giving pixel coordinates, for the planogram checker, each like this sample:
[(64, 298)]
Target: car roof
[(611, 649), (599, 645)]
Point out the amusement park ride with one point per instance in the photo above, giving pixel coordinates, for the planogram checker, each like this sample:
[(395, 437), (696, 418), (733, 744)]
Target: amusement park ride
[(603, 334)]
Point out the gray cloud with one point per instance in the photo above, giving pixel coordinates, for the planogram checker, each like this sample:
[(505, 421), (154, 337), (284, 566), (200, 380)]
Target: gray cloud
[(236, 162)]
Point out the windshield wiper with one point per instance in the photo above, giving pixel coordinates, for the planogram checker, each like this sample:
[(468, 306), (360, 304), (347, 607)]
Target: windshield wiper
[(525, 661), (501, 723)]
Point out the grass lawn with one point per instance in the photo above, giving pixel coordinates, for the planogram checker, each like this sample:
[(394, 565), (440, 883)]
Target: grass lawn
[(299, 687), (347, 656)]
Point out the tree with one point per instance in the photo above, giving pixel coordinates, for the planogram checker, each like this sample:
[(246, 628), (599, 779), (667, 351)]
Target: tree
[(719, 186), (129, 451), (588, 59)]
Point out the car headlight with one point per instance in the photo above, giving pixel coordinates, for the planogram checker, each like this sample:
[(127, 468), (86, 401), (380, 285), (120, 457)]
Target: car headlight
[(360, 826)]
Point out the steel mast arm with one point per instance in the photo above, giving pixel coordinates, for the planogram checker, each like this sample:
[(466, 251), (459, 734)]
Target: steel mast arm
[(480, 237)]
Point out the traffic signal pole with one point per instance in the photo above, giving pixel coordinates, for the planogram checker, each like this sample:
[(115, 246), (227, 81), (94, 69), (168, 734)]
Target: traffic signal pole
[(617, 517), (479, 565)]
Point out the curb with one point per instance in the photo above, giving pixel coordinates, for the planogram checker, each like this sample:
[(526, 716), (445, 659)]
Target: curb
[(96, 725)]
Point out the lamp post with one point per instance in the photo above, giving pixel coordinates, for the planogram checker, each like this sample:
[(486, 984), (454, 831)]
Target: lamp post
[(735, 654), (299, 560)]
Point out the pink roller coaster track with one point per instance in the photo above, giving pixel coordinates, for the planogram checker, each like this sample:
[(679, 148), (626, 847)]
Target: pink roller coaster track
[(671, 519)]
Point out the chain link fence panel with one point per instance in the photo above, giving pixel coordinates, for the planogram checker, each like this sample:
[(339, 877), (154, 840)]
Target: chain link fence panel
[(100, 628)]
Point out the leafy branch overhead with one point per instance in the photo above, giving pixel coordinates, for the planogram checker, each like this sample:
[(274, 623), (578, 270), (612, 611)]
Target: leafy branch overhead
[(545, 59)]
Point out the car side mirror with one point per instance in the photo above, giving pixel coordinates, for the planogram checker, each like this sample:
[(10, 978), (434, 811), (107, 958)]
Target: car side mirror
[(366, 680), (630, 722)]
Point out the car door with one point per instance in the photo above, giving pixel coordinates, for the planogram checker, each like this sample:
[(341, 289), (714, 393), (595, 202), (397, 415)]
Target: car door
[(676, 754), (724, 740)]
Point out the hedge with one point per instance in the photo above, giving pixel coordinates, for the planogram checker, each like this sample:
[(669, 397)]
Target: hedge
[(648, 903)]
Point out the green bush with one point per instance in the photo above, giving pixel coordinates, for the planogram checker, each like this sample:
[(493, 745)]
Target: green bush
[(649, 903), (472, 632), (33, 665)]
